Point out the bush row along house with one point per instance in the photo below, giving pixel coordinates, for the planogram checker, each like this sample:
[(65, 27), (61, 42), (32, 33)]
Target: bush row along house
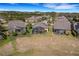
[(61, 26)]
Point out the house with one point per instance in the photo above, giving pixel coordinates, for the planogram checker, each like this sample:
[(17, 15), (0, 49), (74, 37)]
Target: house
[(2, 20), (76, 27), (16, 26), (33, 19), (61, 25), (40, 27)]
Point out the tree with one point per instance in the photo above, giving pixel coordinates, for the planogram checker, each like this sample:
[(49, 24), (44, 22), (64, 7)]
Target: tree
[(29, 28), (76, 19), (44, 18), (2, 32)]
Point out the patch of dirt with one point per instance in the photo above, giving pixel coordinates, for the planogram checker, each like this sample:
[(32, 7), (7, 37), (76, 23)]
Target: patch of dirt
[(48, 45), (6, 49)]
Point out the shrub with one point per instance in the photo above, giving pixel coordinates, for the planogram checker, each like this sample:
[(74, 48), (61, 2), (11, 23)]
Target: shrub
[(29, 28), (74, 33), (14, 34)]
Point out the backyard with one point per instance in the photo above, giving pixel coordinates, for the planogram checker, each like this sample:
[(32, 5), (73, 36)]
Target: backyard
[(41, 44)]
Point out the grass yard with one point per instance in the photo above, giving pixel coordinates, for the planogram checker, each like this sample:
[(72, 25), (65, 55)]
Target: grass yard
[(5, 41), (42, 44)]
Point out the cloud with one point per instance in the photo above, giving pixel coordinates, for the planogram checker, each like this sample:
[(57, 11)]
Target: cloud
[(60, 6), (49, 5), (65, 6), (2, 9)]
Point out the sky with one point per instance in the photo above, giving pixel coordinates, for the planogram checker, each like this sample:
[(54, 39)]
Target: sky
[(42, 7)]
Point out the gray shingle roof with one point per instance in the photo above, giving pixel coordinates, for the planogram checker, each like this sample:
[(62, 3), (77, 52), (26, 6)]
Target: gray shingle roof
[(14, 24), (34, 17), (40, 24), (62, 23)]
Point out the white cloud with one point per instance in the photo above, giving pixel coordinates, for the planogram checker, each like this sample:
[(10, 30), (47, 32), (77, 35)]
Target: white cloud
[(60, 6), (48, 5), (65, 6), (2, 9)]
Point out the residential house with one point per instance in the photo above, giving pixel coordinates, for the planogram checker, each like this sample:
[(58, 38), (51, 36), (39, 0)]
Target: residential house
[(61, 25), (2, 20), (16, 26), (33, 19), (76, 27), (40, 27)]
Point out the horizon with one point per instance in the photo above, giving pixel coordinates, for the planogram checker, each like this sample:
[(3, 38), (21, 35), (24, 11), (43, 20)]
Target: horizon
[(41, 7)]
